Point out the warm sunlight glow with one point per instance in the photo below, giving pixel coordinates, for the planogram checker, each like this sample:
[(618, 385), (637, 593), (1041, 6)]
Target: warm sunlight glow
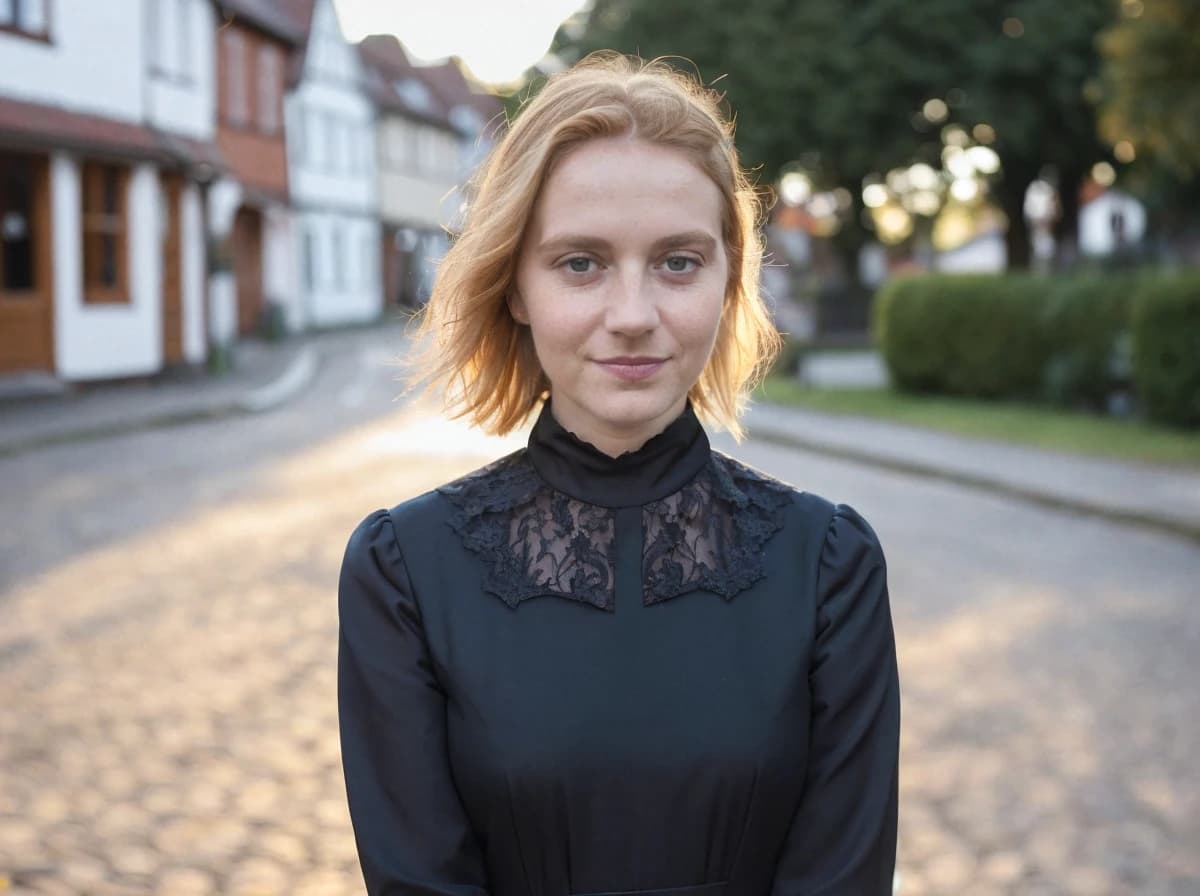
[(497, 41)]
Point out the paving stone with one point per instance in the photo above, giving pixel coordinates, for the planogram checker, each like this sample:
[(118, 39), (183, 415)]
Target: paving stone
[(178, 733), (1003, 868)]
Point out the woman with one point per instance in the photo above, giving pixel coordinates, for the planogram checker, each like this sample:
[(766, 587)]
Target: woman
[(615, 661)]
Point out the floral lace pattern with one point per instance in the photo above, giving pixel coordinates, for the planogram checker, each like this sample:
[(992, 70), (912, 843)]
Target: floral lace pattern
[(709, 535)]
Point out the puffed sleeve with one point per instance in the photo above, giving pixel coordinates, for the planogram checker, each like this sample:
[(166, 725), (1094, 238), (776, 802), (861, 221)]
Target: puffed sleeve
[(412, 833), (842, 839)]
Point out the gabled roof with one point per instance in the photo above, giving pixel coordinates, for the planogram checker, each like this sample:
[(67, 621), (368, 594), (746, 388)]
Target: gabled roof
[(265, 15), (300, 13), (445, 84), (396, 85)]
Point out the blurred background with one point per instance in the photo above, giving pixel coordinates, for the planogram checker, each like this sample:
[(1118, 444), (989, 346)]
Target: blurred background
[(217, 216)]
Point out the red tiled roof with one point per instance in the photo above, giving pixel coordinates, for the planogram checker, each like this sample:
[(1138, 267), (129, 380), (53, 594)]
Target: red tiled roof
[(49, 127), (265, 15)]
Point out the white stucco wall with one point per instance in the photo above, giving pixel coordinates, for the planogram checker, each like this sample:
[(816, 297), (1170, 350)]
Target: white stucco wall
[(106, 340), (419, 169), (345, 267), (280, 281), (415, 201), (182, 98), (195, 343), (330, 92), (335, 198), (93, 62)]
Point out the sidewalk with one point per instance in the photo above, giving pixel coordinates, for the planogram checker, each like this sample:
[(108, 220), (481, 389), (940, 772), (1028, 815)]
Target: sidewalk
[(1161, 498), (263, 375)]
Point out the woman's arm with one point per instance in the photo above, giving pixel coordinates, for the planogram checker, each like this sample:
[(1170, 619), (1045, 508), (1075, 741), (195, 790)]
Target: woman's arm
[(842, 840), (412, 833)]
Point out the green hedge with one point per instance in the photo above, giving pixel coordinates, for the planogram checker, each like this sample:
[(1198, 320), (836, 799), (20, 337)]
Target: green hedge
[(1166, 348), (976, 335), (1086, 322), (1069, 340)]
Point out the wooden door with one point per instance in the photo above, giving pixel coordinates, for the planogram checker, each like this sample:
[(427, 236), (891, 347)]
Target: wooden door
[(172, 269), (248, 268), (26, 288)]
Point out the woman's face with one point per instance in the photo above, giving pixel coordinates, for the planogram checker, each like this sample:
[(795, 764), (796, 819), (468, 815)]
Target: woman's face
[(621, 279)]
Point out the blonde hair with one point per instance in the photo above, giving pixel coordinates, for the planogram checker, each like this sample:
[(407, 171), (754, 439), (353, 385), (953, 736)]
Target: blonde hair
[(477, 353)]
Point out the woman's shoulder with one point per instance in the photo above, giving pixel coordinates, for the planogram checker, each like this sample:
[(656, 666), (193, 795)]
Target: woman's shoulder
[(842, 528), (473, 493)]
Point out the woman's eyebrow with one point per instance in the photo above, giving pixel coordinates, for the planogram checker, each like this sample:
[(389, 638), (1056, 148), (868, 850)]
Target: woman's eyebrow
[(700, 239)]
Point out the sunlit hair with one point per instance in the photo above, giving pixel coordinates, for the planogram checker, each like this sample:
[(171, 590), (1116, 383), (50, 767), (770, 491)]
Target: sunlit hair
[(476, 352)]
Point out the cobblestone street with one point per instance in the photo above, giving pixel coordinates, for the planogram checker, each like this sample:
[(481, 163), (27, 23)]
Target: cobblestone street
[(168, 637)]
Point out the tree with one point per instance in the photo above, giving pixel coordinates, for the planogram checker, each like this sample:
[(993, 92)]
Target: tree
[(1152, 82), (845, 86)]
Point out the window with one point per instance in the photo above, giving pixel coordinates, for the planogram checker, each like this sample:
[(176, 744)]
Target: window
[(339, 260), (28, 17), (235, 77), (105, 265), (169, 38), (310, 258), (332, 127), (183, 50), (298, 135), (270, 76), (17, 238)]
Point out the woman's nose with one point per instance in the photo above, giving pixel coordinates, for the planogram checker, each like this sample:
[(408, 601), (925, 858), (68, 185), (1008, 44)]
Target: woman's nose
[(632, 308)]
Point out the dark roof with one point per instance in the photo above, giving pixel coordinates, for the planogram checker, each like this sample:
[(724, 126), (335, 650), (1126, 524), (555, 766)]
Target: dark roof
[(38, 126), (387, 65), (265, 15), (300, 14), (389, 62)]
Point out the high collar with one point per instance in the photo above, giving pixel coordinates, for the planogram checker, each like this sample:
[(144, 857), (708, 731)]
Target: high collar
[(662, 466)]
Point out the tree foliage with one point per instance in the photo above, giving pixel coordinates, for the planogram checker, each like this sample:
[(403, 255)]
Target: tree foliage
[(1152, 82), (841, 87)]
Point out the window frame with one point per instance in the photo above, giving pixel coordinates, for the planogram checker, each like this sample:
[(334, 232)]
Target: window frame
[(269, 78), (234, 46), (20, 30), (116, 225)]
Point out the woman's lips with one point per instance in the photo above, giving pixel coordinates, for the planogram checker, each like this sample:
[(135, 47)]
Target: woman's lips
[(633, 369)]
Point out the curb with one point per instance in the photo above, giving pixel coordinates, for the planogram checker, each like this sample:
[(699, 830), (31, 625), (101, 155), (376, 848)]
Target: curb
[(297, 377), (1167, 525)]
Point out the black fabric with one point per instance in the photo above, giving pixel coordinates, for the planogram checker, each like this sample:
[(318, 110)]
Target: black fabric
[(659, 468), (706, 743)]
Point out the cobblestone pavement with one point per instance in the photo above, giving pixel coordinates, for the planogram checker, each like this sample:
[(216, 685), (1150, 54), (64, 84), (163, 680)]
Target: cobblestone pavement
[(167, 646)]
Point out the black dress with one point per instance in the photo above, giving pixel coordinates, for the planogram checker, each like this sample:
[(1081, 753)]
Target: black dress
[(664, 673)]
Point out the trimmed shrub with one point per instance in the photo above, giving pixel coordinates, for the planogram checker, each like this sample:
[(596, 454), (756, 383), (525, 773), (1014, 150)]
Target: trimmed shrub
[(1086, 323), (976, 335), (1166, 348)]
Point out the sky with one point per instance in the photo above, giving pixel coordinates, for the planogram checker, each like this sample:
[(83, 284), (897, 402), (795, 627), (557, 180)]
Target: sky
[(497, 39)]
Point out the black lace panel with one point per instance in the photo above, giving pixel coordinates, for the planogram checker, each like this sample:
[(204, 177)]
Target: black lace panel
[(710, 535), (538, 541)]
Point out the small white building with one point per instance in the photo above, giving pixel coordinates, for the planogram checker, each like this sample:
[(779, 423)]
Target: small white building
[(1110, 221), (332, 174), (106, 120)]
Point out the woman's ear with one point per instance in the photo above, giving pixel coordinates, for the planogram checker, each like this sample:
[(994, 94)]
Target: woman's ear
[(516, 307)]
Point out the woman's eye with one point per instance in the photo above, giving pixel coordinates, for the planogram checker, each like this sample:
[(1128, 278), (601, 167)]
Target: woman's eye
[(681, 264), (579, 265)]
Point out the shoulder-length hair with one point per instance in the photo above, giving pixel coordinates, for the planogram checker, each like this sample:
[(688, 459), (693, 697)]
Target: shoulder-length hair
[(475, 351)]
